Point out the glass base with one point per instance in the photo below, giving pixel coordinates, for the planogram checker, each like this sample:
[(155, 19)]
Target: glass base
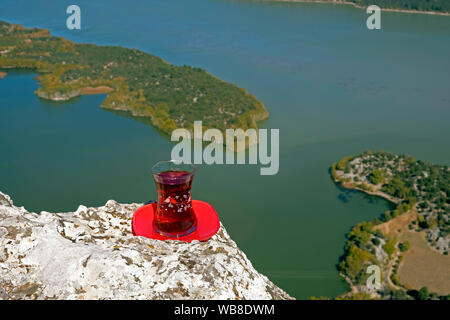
[(175, 235)]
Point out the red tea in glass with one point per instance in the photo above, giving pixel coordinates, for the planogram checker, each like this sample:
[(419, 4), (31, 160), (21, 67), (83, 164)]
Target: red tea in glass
[(174, 216)]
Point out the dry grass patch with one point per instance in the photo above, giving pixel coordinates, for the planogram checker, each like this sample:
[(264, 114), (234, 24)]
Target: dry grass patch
[(397, 226), (96, 90), (421, 265)]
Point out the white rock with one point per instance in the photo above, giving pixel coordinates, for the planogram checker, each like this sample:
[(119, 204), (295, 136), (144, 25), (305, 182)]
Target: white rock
[(92, 254)]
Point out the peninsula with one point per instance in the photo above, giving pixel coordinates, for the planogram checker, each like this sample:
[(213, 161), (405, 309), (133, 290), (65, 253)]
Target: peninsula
[(409, 243), (136, 82)]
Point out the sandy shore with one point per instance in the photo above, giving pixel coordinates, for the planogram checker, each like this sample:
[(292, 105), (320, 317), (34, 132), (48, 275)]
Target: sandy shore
[(96, 90), (378, 193), (2, 74), (361, 7)]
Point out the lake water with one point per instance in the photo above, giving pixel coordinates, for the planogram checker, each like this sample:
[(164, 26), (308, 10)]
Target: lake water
[(331, 86)]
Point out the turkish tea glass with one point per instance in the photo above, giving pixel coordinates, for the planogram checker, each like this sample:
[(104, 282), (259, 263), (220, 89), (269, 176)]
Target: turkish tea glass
[(174, 216)]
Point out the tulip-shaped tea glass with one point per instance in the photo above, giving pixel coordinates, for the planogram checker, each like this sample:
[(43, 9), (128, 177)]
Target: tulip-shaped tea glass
[(174, 216)]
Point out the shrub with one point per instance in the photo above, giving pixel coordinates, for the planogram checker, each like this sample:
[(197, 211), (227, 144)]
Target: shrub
[(333, 171), (423, 294), (404, 246), (354, 261), (365, 186), (377, 176), (379, 234), (395, 280), (389, 246), (343, 162), (397, 188)]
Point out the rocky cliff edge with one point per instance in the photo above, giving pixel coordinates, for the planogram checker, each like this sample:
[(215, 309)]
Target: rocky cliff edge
[(92, 254)]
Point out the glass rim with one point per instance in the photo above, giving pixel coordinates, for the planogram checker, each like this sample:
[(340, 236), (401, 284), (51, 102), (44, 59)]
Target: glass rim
[(175, 162)]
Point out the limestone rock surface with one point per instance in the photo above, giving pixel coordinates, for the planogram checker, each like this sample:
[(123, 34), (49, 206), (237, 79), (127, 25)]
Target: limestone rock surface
[(92, 254)]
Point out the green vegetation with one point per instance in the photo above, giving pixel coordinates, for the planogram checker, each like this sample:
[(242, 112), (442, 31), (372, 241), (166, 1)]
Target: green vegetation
[(342, 164), (357, 296), (389, 246), (413, 184), (397, 188), (416, 5), (333, 171), (410, 185), (440, 6), (364, 186), (378, 176), (404, 246), (395, 280), (358, 253), (425, 294), (145, 85), (400, 209)]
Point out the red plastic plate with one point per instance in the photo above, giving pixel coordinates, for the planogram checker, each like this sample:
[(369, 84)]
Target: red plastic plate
[(207, 222)]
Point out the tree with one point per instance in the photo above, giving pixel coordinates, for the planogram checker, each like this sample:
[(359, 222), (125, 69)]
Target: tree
[(379, 234), (399, 295), (397, 188), (431, 223), (404, 246), (377, 176), (333, 171), (389, 246), (343, 162), (355, 259), (410, 159), (423, 294)]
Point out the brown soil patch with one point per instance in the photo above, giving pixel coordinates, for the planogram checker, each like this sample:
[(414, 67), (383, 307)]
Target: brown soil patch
[(421, 265), (397, 226), (96, 90)]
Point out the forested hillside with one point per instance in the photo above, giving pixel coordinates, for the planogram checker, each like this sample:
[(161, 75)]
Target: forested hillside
[(147, 86), (421, 5)]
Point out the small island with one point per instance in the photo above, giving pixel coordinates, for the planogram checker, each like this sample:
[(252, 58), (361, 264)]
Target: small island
[(139, 83), (409, 243)]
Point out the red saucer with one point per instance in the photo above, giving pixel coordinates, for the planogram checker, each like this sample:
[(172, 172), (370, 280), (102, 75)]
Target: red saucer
[(207, 222)]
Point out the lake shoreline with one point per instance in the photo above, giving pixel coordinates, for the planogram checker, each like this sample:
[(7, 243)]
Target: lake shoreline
[(143, 84), (362, 7), (354, 288), (309, 67), (58, 96), (384, 241)]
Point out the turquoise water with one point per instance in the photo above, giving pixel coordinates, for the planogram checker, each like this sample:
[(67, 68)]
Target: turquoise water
[(331, 86)]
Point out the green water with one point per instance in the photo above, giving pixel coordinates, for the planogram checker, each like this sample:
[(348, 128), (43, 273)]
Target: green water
[(331, 86)]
